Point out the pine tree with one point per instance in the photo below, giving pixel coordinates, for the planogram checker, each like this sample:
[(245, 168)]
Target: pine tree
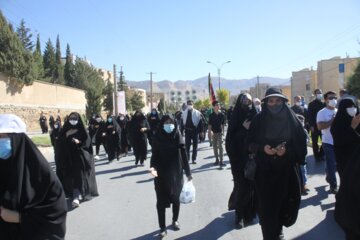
[(25, 35), (108, 93), (59, 68), (15, 60), (69, 69), (49, 61), (38, 60)]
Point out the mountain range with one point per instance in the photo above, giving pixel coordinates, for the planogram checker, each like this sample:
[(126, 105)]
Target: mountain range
[(201, 84)]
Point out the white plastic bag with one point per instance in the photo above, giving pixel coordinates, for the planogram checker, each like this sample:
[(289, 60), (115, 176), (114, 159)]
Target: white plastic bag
[(187, 194)]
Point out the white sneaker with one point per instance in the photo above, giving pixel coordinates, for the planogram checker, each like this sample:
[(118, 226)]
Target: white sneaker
[(75, 203), (96, 157)]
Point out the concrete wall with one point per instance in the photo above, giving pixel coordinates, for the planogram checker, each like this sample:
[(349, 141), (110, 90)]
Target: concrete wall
[(28, 102)]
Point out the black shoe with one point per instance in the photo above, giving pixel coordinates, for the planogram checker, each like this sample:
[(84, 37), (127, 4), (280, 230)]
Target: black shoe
[(216, 162), (194, 162), (222, 164), (239, 224), (162, 233), (176, 225), (334, 189)]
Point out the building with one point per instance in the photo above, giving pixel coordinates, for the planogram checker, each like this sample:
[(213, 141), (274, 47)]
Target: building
[(106, 75), (178, 97), (333, 74), (303, 83)]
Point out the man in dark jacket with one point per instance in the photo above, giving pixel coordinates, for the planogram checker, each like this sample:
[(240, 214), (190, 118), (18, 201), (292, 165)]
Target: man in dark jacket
[(314, 107)]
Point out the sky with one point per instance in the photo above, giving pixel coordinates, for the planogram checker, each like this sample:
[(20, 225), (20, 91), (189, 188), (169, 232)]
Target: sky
[(175, 39)]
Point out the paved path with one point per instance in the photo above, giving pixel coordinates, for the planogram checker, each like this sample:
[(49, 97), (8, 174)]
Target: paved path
[(126, 209)]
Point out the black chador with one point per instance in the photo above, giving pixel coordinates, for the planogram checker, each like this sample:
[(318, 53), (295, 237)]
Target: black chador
[(243, 196), (113, 135), (138, 130), (75, 163)]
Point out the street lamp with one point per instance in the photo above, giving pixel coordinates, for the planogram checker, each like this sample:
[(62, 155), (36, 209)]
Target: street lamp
[(219, 68)]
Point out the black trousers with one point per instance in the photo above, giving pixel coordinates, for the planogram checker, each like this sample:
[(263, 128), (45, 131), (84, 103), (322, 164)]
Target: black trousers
[(191, 136), (161, 213), (318, 151)]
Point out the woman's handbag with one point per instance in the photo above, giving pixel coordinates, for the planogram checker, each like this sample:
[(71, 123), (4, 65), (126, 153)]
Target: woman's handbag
[(187, 194), (250, 168)]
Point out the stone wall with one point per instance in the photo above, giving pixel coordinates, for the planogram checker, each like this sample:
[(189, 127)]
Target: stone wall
[(29, 101)]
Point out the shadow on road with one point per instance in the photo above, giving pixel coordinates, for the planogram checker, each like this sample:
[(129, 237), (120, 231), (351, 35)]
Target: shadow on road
[(215, 229), (115, 170), (152, 235), (316, 199), (326, 229), (131, 174)]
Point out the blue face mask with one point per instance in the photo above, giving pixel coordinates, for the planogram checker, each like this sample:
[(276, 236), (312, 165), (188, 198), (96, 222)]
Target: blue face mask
[(5, 148), (110, 120), (169, 127)]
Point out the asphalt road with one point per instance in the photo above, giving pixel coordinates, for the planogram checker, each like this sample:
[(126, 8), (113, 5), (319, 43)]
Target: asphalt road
[(126, 207)]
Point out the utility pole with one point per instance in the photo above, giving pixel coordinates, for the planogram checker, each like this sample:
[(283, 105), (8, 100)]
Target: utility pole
[(257, 87), (151, 90), (115, 93)]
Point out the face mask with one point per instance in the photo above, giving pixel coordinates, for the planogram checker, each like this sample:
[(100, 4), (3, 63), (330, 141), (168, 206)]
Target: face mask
[(110, 120), (351, 111), (169, 127), (319, 96), (332, 103), (122, 118), (56, 126), (190, 107), (297, 103), (250, 107), (5, 148), (258, 108), (98, 120), (275, 109), (73, 122)]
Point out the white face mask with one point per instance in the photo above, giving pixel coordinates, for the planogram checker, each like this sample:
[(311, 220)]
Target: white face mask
[(297, 103), (332, 103), (351, 111), (56, 126), (122, 118), (73, 122), (258, 107), (98, 120), (319, 96), (190, 107)]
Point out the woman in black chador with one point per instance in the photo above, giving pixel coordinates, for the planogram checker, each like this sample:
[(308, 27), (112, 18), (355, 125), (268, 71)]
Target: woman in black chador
[(32, 200), (154, 121), (345, 130), (278, 140), (242, 198), (124, 145), (55, 131), (75, 162), (98, 135), (168, 161), (113, 134), (138, 129)]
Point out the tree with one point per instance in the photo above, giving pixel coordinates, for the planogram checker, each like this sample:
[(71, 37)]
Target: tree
[(136, 101), (108, 93), (198, 104), (69, 69), (15, 60), (38, 60), (206, 103), (223, 96), (25, 35), (59, 68), (49, 61), (353, 85)]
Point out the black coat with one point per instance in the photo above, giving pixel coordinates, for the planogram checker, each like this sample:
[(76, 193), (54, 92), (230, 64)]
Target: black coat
[(29, 186), (170, 160), (314, 107)]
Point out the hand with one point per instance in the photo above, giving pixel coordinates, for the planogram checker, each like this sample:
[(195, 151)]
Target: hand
[(280, 150), (189, 178), (269, 151), (355, 121), (104, 134), (143, 129), (76, 141), (153, 172), (113, 132), (246, 124), (9, 216)]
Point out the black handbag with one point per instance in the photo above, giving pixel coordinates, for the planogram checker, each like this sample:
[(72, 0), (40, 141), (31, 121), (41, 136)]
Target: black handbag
[(250, 168)]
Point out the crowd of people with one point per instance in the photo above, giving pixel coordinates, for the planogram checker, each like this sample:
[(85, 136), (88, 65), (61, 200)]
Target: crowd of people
[(266, 142)]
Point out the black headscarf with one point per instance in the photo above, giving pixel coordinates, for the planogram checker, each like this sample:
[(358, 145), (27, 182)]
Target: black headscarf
[(34, 191)]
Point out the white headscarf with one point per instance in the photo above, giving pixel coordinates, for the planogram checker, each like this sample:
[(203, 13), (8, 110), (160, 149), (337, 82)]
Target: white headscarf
[(10, 123)]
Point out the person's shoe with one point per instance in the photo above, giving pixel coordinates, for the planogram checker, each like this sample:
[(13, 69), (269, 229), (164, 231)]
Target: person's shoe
[(210, 144), (334, 189), (163, 233), (96, 157), (281, 236), (176, 225), (305, 190), (194, 162), (216, 162), (222, 164), (239, 224), (75, 203)]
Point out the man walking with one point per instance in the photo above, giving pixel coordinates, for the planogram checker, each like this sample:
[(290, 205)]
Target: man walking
[(193, 125), (216, 131), (324, 120), (314, 107)]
